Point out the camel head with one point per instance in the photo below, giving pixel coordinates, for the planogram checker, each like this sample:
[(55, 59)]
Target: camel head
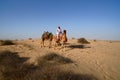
[(64, 31)]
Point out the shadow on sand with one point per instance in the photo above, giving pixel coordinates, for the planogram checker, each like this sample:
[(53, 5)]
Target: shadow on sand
[(78, 46)]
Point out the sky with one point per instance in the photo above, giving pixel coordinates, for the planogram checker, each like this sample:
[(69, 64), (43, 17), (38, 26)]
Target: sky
[(91, 19)]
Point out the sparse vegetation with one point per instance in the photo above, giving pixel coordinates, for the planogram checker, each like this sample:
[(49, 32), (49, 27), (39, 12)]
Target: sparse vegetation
[(28, 46), (1, 40), (7, 42), (29, 38), (53, 58), (73, 38), (16, 39), (12, 67), (82, 41), (94, 40)]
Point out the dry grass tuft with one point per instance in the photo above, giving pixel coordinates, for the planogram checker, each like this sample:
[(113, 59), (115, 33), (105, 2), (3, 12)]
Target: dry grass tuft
[(83, 41), (56, 73), (53, 58), (29, 38), (7, 42), (12, 66), (28, 46)]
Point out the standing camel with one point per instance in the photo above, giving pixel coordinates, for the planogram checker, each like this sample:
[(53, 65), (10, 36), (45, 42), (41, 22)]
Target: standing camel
[(46, 36)]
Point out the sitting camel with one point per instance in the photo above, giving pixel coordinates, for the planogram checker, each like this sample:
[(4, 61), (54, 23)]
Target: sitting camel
[(46, 36)]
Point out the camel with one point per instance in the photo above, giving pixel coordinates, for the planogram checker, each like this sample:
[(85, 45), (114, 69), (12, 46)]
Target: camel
[(62, 40), (57, 42), (46, 36)]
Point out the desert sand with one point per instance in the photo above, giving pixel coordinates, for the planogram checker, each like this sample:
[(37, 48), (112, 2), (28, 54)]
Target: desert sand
[(100, 58)]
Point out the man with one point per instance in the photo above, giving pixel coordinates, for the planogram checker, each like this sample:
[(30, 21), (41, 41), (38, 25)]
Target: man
[(59, 32)]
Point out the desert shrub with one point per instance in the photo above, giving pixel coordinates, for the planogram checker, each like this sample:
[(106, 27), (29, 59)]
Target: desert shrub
[(7, 42), (53, 58), (30, 47), (73, 38), (94, 40), (11, 66), (16, 40), (110, 41), (1, 40), (83, 41), (56, 73), (29, 38), (48, 73), (7, 57)]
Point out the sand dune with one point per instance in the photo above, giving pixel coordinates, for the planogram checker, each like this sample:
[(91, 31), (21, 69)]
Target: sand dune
[(99, 58)]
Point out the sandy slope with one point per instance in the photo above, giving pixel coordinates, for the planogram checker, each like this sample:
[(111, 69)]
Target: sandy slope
[(99, 58)]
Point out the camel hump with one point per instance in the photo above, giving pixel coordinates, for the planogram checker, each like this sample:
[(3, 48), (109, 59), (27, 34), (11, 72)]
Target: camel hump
[(50, 34), (46, 35)]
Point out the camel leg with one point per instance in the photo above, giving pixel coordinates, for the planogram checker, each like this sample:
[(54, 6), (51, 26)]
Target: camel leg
[(42, 44), (50, 44), (55, 45), (63, 46)]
